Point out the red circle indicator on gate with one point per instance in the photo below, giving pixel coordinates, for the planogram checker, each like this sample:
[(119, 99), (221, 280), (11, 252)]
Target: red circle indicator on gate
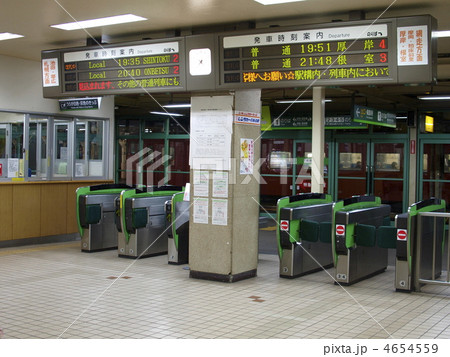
[(401, 234), (340, 229), (284, 225)]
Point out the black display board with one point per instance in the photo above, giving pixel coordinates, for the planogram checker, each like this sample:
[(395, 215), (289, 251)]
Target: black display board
[(387, 51), (147, 66)]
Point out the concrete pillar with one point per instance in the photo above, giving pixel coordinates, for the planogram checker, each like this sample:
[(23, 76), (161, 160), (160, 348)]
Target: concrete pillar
[(224, 196), (318, 140)]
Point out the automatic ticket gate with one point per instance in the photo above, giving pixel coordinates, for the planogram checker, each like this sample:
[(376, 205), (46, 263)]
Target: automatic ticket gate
[(357, 223), (143, 221), (431, 231), (177, 213), (304, 234), (96, 216)]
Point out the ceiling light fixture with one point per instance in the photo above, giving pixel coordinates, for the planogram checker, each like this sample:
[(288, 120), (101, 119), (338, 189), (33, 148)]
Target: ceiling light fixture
[(104, 21), (434, 97), (291, 101), (167, 113), (8, 36), (275, 2), (181, 105)]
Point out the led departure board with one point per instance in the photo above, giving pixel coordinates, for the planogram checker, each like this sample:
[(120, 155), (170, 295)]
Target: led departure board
[(300, 57), (149, 67)]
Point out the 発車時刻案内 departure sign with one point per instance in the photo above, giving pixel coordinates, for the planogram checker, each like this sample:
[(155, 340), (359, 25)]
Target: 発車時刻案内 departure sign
[(129, 68), (323, 55)]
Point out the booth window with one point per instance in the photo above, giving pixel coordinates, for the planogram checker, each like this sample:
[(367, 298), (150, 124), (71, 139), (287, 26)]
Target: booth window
[(42, 147)]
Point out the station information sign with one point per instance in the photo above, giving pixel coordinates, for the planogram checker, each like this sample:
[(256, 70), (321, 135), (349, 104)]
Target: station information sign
[(150, 67), (324, 55)]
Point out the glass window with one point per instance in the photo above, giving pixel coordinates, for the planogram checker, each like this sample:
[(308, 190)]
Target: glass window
[(61, 159), (89, 148), (152, 126), (3, 151), (179, 125), (77, 147), (37, 148), (11, 145), (127, 149), (127, 127)]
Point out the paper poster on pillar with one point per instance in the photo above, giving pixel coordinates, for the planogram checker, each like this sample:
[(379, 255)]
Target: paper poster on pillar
[(201, 183), (247, 155), (220, 184), (220, 212), (201, 210), (211, 132)]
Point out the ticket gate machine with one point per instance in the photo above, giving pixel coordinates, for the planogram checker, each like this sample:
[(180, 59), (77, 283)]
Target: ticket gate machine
[(407, 232), (304, 234), (354, 241), (96, 216), (177, 212), (143, 221)]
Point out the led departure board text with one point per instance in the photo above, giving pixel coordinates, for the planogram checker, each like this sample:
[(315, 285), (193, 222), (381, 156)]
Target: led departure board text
[(128, 68), (324, 55)]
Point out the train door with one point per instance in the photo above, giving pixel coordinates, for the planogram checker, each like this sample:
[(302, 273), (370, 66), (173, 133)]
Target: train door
[(375, 167)]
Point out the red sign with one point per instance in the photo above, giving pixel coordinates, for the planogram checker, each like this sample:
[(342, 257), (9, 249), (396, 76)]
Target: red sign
[(284, 225), (340, 229), (1, 169), (402, 234), (412, 147)]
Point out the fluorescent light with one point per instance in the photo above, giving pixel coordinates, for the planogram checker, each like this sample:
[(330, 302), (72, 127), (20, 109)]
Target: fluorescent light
[(441, 33), (169, 114), (181, 105), (275, 2), (104, 21), (8, 36), (434, 97), (401, 117), (298, 101)]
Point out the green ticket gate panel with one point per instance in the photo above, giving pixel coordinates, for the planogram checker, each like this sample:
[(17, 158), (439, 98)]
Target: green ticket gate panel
[(355, 238), (406, 244), (177, 213), (143, 221), (96, 215), (304, 234)]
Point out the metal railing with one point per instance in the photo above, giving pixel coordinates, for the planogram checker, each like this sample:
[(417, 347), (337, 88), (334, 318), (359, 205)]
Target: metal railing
[(417, 280)]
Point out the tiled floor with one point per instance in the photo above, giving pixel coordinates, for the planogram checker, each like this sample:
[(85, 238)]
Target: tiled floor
[(52, 291)]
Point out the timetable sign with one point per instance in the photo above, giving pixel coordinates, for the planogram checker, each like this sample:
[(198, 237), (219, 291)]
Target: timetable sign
[(131, 68), (333, 55)]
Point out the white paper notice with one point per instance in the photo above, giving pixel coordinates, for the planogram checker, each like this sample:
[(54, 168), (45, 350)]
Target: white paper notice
[(201, 183), (201, 210), (247, 154), (211, 129), (220, 212), (13, 167), (412, 45), (50, 76), (220, 184), (187, 192)]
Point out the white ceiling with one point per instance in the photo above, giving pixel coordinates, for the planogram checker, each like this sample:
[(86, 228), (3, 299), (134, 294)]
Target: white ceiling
[(32, 19)]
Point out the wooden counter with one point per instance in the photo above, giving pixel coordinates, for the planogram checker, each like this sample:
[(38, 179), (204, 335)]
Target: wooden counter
[(39, 208)]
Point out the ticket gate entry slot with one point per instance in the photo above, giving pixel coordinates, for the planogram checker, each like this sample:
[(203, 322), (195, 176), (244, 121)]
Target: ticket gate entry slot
[(407, 241), (177, 213), (143, 221), (357, 223), (96, 215), (304, 234)]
